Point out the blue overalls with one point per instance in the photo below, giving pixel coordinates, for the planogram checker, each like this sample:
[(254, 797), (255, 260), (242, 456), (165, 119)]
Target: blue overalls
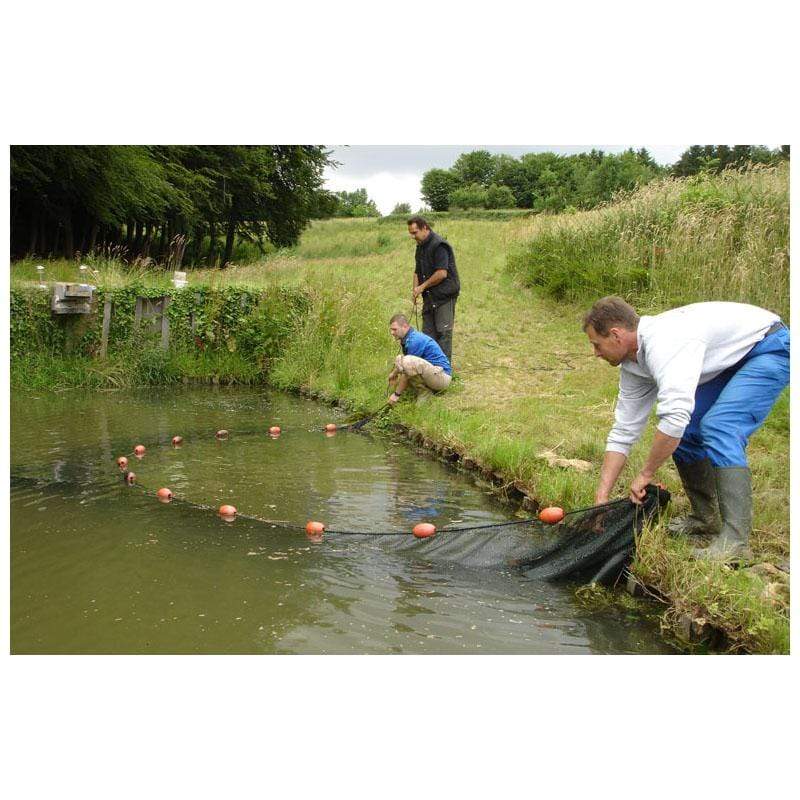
[(730, 408)]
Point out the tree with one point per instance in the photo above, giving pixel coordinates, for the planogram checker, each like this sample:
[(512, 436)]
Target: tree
[(402, 208), (473, 196), (356, 204), (475, 167), (690, 162), (436, 187), (499, 197), (509, 172), (715, 158), (326, 205), (68, 198)]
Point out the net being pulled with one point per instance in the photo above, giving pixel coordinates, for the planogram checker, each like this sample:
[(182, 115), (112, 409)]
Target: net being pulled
[(592, 545)]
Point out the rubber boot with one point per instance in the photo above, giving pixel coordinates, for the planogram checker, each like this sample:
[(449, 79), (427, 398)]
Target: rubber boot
[(735, 495), (700, 486)]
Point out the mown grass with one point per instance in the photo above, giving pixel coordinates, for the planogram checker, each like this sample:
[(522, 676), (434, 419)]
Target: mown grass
[(526, 380)]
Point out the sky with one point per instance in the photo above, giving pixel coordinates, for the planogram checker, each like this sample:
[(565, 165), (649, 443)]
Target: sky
[(392, 174)]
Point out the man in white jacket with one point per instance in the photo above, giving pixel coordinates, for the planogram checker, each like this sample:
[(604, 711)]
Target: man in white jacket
[(714, 371)]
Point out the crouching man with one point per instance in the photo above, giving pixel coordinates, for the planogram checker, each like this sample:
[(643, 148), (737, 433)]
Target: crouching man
[(422, 364), (714, 371)]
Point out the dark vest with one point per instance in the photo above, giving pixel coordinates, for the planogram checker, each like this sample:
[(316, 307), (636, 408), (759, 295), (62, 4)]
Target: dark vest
[(451, 285)]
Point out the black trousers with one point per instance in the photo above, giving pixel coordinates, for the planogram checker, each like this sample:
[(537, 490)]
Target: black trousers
[(437, 322)]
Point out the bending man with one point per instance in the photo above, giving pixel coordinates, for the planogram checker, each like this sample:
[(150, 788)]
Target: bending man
[(422, 362), (715, 370), (436, 279)]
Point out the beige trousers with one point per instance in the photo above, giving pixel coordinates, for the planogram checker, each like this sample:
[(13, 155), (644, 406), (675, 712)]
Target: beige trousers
[(421, 371)]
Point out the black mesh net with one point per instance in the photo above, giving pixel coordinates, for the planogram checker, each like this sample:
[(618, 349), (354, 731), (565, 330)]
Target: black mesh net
[(592, 545), (596, 544)]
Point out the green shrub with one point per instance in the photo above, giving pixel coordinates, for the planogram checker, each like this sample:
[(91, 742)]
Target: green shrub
[(500, 197), (472, 196)]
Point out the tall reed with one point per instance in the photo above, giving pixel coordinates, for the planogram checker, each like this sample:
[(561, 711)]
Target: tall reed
[(672, 242)]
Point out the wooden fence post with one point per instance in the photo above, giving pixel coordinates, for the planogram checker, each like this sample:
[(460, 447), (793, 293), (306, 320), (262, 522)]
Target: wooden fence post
[(106, 327), (165, 324)]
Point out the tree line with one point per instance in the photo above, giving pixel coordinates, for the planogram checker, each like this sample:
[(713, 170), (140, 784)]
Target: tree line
[(165, 202), (538, 181), (153, 200), (717, 157), (552, 182)]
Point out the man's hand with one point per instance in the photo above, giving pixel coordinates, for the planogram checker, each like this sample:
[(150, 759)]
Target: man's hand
[(638, 487), (416, 292), (393, 398)]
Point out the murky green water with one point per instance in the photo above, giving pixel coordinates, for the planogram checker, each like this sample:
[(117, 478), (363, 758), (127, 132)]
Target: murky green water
[(99, 567)]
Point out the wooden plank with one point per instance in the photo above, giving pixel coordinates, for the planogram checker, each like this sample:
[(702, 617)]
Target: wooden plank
[(106, 328), (165, 324)]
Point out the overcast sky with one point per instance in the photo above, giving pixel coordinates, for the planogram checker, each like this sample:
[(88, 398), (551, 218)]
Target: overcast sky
[(391, 174)]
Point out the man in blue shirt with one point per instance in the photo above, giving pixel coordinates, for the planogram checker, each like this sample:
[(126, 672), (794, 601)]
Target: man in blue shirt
[(422, 363)]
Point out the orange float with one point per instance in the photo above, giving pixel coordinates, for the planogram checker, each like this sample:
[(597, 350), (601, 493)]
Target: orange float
[(274, 430), (223, 434), (424, 530), (315, 531), (177, 441), (551, 515), (228, 513), (130, 478), (139, 450), (122, 462), (164, 495), (330, 427)]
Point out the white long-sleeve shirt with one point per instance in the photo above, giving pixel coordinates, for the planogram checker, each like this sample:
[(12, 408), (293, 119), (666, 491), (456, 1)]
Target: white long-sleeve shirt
[(679, 350)]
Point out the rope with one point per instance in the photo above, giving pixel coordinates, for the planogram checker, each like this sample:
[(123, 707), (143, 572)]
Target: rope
[(349, 426), (343, 532)]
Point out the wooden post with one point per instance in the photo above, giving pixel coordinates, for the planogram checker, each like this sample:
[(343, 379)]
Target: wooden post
[(197, 298), (165, 324), (137, 314), (106, 327)]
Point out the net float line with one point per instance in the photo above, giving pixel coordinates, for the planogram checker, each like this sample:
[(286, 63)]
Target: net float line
[(551, 515), (223, 434), (281, 523)]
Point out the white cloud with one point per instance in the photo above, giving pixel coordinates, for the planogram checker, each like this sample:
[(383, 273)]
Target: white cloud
[(385, 188)]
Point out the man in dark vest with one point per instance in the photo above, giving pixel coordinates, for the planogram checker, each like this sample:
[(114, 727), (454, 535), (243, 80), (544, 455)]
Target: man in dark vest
[(436, 279)]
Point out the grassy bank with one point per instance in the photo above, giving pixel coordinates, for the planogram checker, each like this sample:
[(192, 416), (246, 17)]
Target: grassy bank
[(526, 383), (673, 242)]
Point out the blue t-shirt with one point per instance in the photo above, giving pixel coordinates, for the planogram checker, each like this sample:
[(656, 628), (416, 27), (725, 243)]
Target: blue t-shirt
[(419, 344)]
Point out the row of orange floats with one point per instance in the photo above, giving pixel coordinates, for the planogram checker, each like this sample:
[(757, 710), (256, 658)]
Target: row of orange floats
[(314, 530)]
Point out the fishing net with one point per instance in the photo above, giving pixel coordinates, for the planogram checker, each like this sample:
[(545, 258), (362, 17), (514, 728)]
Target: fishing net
[(593, 544), (597, 543)]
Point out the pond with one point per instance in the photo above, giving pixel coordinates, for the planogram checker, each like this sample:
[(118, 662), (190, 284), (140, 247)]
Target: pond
[(101, 567)]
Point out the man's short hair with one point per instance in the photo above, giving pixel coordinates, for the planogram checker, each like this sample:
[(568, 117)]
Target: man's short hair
[(420, 222), (399, 318), (610, 312)]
